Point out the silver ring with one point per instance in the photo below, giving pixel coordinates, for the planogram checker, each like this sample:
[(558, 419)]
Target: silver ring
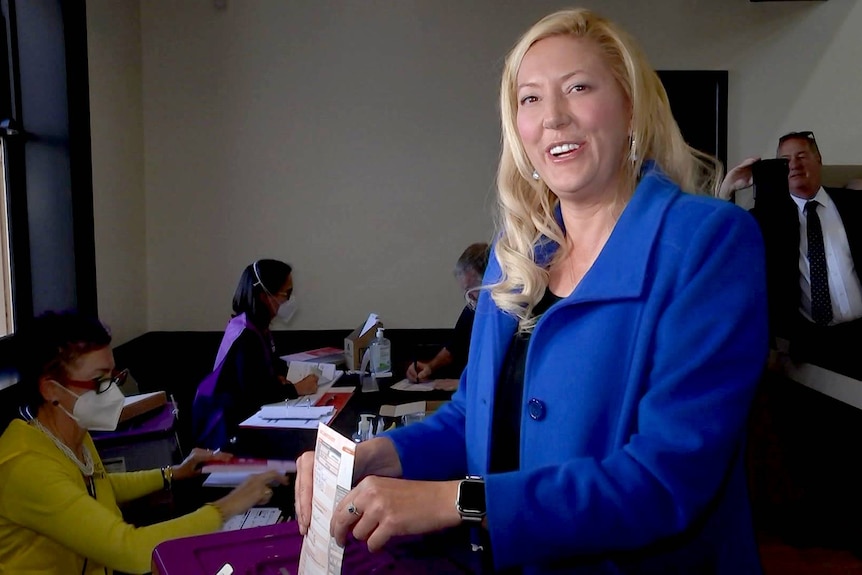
[(352, 509), (267, 493)]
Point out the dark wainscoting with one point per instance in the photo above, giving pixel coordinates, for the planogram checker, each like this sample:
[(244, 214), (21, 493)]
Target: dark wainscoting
[(175, 361)]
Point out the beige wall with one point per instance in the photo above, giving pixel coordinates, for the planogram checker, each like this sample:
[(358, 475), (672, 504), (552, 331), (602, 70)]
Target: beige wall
[(358, 140), (116, 123)]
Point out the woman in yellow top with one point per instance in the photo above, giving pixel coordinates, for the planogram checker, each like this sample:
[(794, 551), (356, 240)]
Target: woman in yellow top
[(58, 505)]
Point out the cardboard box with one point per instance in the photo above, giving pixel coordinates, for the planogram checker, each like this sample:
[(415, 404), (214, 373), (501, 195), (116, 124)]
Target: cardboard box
[(402, 409), (357, 342), (135, 405)]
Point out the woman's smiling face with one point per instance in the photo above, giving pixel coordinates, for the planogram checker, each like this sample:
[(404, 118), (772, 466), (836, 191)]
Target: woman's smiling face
[(573, 118)]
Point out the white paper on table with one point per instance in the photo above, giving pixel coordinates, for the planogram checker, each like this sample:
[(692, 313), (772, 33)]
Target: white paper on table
[(285, 411), (254, 517), (311, 400), (296, 370), (261, 422), (226, 478), (333, 477), (407, 385)]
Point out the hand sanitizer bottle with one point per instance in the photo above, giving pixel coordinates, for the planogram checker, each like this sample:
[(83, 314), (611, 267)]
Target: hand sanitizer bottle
[(363, 431), (381, 355)]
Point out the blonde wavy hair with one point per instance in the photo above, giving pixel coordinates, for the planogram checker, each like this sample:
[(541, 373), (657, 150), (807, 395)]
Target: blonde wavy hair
[(525, 207)]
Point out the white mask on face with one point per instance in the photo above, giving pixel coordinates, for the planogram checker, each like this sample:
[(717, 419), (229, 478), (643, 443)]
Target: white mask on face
[(97, 411), (287, 309)]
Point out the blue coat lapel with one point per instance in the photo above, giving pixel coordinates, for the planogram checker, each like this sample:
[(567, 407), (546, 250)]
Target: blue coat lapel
[(631, 241)]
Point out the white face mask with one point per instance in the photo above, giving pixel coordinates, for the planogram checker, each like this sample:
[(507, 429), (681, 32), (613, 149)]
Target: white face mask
[(287, 309), (97, 411)]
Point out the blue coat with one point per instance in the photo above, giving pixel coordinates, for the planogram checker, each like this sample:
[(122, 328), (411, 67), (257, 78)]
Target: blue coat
[(637, 389)]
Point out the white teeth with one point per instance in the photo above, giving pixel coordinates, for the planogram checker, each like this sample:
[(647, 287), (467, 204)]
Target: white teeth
[(563, 148)]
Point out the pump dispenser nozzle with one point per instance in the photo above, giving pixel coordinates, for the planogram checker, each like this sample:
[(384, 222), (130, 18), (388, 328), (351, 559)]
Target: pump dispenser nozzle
[(363, 432)]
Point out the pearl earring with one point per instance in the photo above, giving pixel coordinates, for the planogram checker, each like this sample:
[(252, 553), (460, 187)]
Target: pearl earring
[(535, 175), (633, 153)]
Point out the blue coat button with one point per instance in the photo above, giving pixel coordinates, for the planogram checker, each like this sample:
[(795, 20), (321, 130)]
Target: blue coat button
[(536, 409)]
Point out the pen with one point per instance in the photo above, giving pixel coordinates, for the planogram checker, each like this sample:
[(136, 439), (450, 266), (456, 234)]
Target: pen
[(416, 369)]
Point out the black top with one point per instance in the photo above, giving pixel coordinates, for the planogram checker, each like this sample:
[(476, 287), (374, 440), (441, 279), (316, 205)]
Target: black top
[(459, 344), (508, 398), (250, 380)]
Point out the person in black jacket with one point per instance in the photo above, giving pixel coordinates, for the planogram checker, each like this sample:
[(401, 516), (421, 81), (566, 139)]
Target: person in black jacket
[(447, 365), (247, 372), (826, 338)]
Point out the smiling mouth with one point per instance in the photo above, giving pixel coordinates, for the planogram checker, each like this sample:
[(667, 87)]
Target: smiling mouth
[(563, 149)]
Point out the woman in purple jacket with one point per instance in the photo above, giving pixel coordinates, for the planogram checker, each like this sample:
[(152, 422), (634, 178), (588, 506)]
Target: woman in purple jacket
[(247, 373), (617, 345)]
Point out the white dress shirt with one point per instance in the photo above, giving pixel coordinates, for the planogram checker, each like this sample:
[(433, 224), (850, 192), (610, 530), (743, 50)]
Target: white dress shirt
[(844, 288)]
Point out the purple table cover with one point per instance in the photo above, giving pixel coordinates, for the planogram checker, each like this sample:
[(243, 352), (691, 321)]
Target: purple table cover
[(275, 549)]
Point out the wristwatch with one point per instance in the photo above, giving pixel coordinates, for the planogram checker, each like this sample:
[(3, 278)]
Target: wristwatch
[(470, 501)]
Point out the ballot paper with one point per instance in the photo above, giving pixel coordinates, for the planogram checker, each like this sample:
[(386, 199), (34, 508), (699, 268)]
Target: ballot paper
[(407, 385), (254, 517), (333, 477), (326, 372), (369, 323)]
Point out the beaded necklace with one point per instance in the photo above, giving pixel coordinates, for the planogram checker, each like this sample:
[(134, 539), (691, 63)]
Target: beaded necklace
[(87, 467)]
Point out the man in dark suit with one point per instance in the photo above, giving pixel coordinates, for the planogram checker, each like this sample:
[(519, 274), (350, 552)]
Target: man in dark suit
[(815, 298), (808, 436)]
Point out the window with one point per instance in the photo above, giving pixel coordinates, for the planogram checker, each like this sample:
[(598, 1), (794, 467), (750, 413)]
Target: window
[(47, 251), (8, 174), (7, 307)]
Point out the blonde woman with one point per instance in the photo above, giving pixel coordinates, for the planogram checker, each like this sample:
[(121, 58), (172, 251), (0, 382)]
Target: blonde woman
[(616, 347)]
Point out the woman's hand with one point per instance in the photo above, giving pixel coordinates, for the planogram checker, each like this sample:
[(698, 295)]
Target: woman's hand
[(736, 179), (307, 385), (419, 371), (256, 490), (382, 507), (374, 457), (192, 464), (303, 489)]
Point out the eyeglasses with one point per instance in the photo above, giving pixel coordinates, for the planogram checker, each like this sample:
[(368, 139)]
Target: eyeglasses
[(805, 135), (101, 384), (471, 296), (278, 295)]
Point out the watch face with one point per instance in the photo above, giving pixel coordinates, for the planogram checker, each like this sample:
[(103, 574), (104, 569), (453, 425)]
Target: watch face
[(471, 497)]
